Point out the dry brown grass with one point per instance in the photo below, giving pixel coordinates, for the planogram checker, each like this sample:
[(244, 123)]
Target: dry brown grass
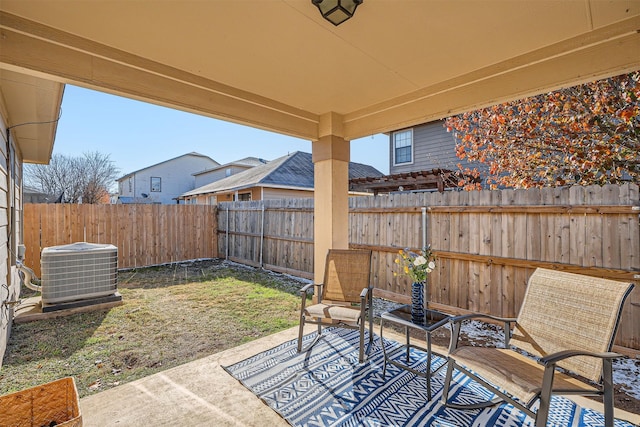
[(171, 315)]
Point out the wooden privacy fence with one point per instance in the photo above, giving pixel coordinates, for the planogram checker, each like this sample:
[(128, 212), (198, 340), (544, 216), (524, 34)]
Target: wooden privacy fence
[(144, 234), (488, 243), (274, 234)]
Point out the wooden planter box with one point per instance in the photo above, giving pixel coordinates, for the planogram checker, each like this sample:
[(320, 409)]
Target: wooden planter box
[(51, 404)]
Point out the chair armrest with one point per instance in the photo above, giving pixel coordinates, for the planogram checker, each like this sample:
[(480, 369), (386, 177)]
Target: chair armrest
[(306, 288), (364, 292), (481, 316), (565, 354), (456, 323), (303, 293)]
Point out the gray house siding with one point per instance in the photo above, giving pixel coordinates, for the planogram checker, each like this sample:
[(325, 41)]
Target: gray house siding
[(208, 177), (226, 170), (433, 148), (173, 176), (10, 227)]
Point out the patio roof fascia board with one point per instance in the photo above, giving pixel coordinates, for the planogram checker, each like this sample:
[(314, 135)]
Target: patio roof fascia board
[(545, 69), (71, 59)]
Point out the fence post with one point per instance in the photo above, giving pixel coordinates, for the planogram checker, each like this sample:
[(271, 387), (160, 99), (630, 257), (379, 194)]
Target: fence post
[(262, 235), (424, 227), (226, 246), (426, 292)]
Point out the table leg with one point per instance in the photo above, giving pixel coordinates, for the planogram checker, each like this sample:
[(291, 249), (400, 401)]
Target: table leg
[(384, 352), (406, 332), (428, 370)]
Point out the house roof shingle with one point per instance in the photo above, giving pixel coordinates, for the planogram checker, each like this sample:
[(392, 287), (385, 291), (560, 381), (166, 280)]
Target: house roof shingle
[(294, 171)]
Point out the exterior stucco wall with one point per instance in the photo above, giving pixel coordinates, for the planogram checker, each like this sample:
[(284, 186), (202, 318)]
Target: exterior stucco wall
[(224, 197), (257, 193), (282, 193)]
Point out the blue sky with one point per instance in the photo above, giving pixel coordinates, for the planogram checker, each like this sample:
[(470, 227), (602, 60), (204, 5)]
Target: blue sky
[(136, 134)]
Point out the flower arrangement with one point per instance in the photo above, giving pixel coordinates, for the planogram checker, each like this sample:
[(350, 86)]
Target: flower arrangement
[(416, 265)]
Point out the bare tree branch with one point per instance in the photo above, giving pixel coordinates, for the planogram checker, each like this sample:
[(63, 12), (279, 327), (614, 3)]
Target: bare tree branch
[(85, 179)]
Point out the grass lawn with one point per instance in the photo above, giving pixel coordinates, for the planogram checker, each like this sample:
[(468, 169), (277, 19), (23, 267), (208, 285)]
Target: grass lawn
[(171, 315)]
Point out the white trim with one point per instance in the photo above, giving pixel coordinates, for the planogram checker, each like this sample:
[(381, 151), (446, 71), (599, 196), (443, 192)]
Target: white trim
[(151, 186), (393, 147)]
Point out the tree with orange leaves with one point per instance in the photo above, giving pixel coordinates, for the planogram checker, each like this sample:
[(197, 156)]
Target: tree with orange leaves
[(582, 135)]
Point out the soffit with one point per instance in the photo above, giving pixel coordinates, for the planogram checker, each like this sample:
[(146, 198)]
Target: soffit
[(280, 66), (32, 107)]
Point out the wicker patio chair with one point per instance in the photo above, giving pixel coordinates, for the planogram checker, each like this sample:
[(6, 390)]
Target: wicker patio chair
[(344, 298), (566, 320)]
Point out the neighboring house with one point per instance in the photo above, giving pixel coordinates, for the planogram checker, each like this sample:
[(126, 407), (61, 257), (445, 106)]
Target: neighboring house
[(223, 171), (422, 158), (289, 176), (424, 147), (32, 195), (163, 182), (29, 107)]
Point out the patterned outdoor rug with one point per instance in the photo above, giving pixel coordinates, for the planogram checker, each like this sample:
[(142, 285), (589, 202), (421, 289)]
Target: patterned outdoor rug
[(327, 387)]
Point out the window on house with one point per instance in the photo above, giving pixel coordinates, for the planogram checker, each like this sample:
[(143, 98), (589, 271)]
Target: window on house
[(212, 200), (403, 147), (156, 184), (243, 197), (227, 172), (131, 185)]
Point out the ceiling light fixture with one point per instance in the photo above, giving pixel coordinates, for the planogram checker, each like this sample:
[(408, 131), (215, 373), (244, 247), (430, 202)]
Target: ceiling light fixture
[(337, 11)]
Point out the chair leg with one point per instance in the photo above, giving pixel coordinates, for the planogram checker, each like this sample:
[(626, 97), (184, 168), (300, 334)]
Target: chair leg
[(607, 385), (545, 396), (300, 332), (447, 382), (500, 397), (370, 320), (384, 351), (361, 353), (370, 344)]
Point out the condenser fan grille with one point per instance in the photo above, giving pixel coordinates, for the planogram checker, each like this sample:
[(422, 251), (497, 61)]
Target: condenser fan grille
[(78, 271)]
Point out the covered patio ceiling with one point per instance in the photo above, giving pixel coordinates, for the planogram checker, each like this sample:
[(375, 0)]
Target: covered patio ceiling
[(278, 65)]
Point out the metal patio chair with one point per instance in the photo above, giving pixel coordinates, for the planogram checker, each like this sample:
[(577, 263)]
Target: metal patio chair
[(343, 299), (566, 321)]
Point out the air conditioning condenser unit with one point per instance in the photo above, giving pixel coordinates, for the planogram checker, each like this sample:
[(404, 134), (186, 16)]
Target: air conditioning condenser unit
[(78, 271)]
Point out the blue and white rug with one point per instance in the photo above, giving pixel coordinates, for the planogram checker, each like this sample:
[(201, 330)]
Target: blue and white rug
[(327, 387)]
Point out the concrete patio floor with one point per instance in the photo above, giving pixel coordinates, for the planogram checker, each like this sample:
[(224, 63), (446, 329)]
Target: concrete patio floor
[(198, 393), (202, 393)]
